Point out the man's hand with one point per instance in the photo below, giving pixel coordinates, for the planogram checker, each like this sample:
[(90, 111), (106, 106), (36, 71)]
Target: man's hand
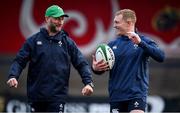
[(99, 66), (87, 90), (12, 82), (134, 37)]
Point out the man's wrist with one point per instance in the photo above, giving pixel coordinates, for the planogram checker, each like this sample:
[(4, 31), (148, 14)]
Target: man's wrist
[(91, 84)]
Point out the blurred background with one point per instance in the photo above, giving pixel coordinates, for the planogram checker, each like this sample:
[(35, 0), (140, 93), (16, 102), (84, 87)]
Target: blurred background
[(90, 24)]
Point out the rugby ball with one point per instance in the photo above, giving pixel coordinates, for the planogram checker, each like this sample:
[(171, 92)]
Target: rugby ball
[(104, 52)]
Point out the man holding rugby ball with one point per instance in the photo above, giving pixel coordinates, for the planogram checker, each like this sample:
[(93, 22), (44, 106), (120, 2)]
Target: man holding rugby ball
[(129, 77)]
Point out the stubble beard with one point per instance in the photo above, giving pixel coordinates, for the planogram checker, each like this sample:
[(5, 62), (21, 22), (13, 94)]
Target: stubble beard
[(52, 28)]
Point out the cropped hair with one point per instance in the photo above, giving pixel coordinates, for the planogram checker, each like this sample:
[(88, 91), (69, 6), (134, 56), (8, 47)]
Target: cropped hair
[(128, 15)]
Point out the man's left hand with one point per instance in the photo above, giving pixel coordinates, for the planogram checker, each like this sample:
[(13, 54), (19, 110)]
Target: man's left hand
[(134, 37), (87, 90)]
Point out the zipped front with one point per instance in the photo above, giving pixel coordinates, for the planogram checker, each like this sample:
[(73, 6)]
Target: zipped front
[(50, 61)]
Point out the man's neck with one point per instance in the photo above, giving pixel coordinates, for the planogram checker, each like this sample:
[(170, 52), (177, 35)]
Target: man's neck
[(52, 34)]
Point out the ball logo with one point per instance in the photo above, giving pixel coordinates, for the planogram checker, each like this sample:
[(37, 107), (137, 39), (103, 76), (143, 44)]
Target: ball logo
[(111, 54)]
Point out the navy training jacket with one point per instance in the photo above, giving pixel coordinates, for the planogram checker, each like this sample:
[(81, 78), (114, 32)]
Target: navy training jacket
[(50, 61), (129, 77)]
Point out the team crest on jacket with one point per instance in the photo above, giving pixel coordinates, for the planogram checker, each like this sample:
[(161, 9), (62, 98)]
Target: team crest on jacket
[(136, 104), (60, 43), (135, 46)]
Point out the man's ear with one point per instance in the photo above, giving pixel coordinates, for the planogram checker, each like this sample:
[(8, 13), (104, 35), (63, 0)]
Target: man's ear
[(46, 19)]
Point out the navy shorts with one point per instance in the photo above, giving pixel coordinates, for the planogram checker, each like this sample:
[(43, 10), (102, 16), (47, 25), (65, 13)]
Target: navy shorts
[(127, 106), (45, 106)]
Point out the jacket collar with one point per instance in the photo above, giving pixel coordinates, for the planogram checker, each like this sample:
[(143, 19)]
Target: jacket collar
[(123, 37)]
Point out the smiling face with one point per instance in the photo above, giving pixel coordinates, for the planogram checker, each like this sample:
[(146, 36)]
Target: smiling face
[(124, 21), (120, 25), (54, 25)]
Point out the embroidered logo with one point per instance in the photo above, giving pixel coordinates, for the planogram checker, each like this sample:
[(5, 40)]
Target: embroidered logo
[(60, 43), (135, 46), (115, 111), (114, 47), (136, 104), (39, 43), (61, 107)]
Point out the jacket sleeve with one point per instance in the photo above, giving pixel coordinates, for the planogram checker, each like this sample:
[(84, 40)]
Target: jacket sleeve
[(79, 62), (19, 63), (151, 49)]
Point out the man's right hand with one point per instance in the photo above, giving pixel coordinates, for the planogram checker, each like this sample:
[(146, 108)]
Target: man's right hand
[(12, 82), (99, 66)]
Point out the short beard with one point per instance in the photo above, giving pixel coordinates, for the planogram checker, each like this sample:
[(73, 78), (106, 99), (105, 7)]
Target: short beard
[(52, 28)]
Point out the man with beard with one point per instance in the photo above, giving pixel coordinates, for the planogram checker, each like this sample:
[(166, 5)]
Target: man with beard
[(50, 53), (129, 77)]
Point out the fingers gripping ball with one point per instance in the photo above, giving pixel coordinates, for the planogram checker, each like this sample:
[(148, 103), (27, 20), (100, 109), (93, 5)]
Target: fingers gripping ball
[(104, 52)]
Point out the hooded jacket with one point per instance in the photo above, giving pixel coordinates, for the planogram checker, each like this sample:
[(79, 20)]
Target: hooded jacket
[(50, 59)]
